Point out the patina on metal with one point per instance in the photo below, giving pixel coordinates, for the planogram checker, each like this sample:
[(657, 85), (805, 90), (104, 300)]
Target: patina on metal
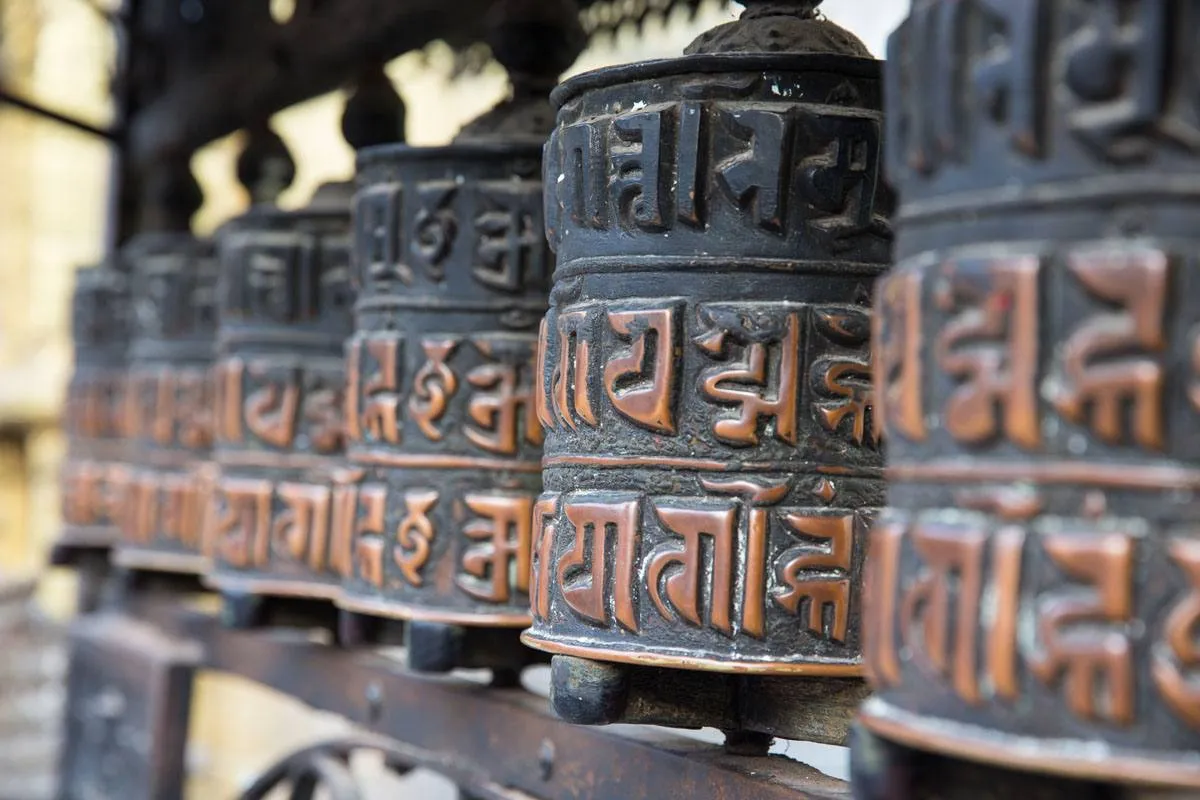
[(704, 380), (1034, 586), (168, 403), (280, 525), (94, 471), (454, 273), (283, 514)]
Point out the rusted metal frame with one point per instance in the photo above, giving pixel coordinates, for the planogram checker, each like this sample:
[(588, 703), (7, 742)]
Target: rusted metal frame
[(487, 740), (316, 52)]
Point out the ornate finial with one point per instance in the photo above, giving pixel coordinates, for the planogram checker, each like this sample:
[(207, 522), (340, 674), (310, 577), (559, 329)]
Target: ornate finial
[(374, 112), (265, 167), (170, 196), (780, 26), (536, 41)]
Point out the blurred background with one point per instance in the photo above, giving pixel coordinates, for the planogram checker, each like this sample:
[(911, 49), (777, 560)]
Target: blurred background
[(53, 195)]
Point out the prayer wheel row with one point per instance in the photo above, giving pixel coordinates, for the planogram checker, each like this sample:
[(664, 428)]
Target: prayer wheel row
[(654, 441)]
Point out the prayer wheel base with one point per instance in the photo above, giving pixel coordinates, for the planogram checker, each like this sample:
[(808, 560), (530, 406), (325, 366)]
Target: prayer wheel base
[(587, 692), (246, 612), (436, 647)]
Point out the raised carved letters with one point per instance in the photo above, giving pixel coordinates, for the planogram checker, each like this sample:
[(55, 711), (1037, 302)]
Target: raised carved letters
[(1094, 665), (641, 383), (586, 571), (373, 374), (820, 575), (899, 390), (1098, 373), (1176, 660), (841, 379), (503, 406), (991, 347), (414, 535), (762, 374), (500, 561), (433, 385)]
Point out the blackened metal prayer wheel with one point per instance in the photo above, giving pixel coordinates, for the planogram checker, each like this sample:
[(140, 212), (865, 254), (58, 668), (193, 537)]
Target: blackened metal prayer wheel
[(168, 403), (282, 505), (1034, 586), (453, 273), (710, 467), (94, 419)]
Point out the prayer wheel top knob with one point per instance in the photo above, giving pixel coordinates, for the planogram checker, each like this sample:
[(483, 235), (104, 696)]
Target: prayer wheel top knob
[(535, 41), (779, 26)]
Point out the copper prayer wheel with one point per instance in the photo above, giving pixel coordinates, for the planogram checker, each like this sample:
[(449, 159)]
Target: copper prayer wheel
[(710, 468), (1034, 585), (454, 274), (280, 515), (94, 420), (168, 403)]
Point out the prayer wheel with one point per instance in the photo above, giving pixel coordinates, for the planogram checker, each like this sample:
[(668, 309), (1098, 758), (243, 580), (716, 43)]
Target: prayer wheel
[(453, 273), (168, 403), (1034, 585), (280, 513), (94, 421), (710, 466)]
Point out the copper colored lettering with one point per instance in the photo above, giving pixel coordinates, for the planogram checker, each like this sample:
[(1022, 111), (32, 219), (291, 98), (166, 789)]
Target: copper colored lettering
[(542, 568), (502, 559), (571, 380), (953, 558), (764, 383), (1095, 666), (229, 400), (271, 412), (244, 523), (683, 585), (380, 420), (193, 411), (1007, 547), (641, 381), (1176, 659), (881, 582), (845, 378), (368, 542), (1110, 360), (502, 411), (342, 526), (898, 373), (323, 414), (415, 534), (821, 590), (433, 386), (991, 345), (302, 530), (583, 573), (163, 420)]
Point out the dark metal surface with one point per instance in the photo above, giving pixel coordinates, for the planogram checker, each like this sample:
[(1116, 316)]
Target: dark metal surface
[(488, 739), (1035, 585), (453, 274), (703, 380), (283, 511), (169, 403), (127, 717)]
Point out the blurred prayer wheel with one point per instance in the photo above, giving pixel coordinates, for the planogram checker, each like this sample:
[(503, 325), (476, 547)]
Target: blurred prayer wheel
[(704, 383), (1034, 587), (280, 511), (454, 275), (168, 403), (93, 419)]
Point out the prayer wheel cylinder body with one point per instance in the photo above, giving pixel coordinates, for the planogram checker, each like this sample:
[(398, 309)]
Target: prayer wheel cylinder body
[(710, 467), (1034, 585), (94, 416), (284, 504), (168, 403), (453, 274)]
